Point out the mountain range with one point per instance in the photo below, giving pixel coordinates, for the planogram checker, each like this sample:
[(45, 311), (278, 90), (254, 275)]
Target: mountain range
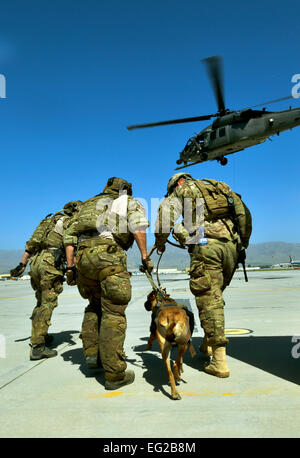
[(259, 254)]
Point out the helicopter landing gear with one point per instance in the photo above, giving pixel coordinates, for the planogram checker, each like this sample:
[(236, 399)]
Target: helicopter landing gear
[(223, 160)]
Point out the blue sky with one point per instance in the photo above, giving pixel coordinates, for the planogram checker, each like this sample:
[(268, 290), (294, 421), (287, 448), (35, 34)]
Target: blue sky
[(78, 72)]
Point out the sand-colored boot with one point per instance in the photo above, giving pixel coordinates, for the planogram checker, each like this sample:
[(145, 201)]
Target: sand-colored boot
[(205, 348), (218, 365), (114, 382)]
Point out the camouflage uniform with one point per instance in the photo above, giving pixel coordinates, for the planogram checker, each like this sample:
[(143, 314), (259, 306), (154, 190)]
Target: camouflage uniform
[(46, 275), (103, 278), (211, 265)]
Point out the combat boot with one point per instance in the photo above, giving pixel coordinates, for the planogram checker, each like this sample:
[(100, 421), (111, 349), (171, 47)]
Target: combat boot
[(218, 365), (205, 348), (114, 382), (41, 351)]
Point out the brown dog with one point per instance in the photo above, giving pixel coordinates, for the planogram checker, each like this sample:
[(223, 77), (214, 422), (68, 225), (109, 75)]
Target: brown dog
[(172, 325)]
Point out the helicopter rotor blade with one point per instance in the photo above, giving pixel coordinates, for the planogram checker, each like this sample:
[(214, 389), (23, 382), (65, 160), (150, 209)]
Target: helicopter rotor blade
[(174, 121), (273, 101), (215, 73)]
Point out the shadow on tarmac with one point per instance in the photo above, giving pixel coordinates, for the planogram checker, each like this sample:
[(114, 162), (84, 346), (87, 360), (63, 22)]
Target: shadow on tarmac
[(76, 357), (156, 372), (271, 354), (65, 337)]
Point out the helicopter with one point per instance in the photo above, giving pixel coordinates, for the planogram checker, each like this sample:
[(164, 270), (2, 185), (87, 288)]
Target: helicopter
[(231, 131)]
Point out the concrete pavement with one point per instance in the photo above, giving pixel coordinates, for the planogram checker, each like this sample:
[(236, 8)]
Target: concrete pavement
[(60, 397)]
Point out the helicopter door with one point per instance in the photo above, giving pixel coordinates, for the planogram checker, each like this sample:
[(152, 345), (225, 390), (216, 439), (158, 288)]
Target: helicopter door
[(222, 136), (218, 137)]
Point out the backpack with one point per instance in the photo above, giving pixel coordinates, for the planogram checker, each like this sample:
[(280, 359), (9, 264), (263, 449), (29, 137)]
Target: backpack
[(97, 215), (222, 202), (52, 236)]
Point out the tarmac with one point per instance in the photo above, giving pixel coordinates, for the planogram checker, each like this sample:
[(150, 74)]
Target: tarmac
[(61, 398)]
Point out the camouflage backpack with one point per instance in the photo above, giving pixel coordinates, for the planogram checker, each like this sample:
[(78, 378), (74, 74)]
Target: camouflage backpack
[(96, 215), (222, 202), (53, 231)]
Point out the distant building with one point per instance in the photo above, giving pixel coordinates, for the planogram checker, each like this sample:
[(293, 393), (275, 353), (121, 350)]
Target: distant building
[(168, 271), (295, 264), (282, 265), (240, 269)]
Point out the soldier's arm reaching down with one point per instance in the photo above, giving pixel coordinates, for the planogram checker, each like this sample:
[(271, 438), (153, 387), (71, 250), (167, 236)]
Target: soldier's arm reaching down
[(141, 241), (32, 247), (19, 270)]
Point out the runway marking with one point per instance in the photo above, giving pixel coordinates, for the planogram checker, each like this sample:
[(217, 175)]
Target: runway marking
[(105, 395), (184, 393), (261, 391), (188, 393), (17, 297), (267, 289), (237, 332), (32, 297)]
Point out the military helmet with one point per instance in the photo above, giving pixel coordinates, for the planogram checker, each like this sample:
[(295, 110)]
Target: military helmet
[(173, 180), (118, 184), (72, 207)]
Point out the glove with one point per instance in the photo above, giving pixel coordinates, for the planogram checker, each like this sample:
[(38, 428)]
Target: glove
[(71, 275), (17, 271), (161, 246), (148, 264)]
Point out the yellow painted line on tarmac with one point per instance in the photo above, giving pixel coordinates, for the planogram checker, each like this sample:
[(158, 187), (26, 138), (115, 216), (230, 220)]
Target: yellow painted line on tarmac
[(105, 395), (237, 331), (267, 289), (192, 394), (261, 391), (30, 297), (17, 297)]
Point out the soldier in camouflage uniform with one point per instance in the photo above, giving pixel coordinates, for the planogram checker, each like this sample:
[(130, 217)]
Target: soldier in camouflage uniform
[(45, 249), (104, 229), (212, 263)]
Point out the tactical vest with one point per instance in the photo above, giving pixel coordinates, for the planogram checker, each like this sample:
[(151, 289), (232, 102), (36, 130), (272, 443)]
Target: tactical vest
[(160, 307), (96, 216), (45, 234)]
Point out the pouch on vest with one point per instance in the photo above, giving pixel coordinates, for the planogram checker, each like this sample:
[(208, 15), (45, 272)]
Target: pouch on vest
[(181, 235), (216, 194)]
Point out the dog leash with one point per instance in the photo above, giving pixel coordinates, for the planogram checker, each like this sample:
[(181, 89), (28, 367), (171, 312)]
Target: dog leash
[(142, 269)]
